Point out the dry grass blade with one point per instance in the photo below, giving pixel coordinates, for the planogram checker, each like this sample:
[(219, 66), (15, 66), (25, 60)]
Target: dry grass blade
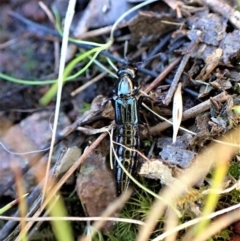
[(177, 111), (213, 197), (197, 220), (69, 17), (219, 224), (22, 201), (80, 219), (171, 222)]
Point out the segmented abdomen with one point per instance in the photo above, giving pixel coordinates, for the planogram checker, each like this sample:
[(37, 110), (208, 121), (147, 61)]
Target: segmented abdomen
[(127, 134)]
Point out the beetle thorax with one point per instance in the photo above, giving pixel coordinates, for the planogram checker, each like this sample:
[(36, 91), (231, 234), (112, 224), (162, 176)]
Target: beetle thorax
[(125, 86)]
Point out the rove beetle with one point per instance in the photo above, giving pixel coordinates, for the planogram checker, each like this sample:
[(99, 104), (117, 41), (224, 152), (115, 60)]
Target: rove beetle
[(126, 117)]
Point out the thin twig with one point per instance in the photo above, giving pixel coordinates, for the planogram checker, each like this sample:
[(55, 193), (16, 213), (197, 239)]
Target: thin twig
[(180, 69), (83, 87), (100, 31), (161, 77)]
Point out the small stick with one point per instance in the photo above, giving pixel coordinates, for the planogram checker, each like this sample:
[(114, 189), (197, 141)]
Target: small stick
[(177, 76), (100, 31), (83, 87), (180, 69), (162, 75), (190, 113)]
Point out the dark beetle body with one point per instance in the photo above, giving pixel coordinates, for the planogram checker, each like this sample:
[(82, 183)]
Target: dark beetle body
[(126, 118)]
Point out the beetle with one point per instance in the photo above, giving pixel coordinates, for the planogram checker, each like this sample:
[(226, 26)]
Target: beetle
[(125, 105)]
